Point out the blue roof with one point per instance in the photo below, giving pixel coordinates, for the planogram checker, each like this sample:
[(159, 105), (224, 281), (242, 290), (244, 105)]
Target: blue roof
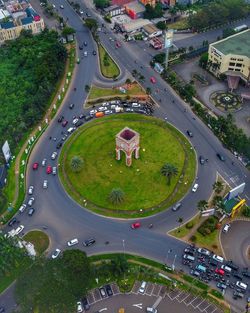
[(31, 12), (26, 20), (7, 25)]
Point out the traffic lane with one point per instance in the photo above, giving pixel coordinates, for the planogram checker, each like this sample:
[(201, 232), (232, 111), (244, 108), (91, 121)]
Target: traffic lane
[(236, 243), (7, 299)]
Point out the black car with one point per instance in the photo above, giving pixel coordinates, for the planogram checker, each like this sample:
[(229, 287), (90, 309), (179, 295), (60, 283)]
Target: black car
[(85, 304), (60, 119), (71, 106), (11, 223), (81, 47), (88, 117), (94, 52), (238, 276), (81, 116), (85, 43), (58, 146), (103, 292), (88, 15), (233, 266), (212, 262), (190, 134), (79, 123), (31, 211), (2, 309), (89, 242), (221, 157), (109, 290), (246, 273), (202, 160)]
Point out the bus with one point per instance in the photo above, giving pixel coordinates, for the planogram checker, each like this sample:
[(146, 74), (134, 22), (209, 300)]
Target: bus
[(240, 28)]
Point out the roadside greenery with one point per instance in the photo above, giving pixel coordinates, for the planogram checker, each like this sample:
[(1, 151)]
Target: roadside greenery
[(101, 4), (39, 239), (153, 12), (108, 66)]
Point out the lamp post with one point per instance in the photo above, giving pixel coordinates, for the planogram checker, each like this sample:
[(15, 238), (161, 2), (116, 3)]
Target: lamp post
[(169, 251), (173, 265), (123, 244)]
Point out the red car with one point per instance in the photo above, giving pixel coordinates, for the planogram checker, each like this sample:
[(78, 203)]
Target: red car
[(136, 225), (153, 80), (35, 166), (118, 44), (64, 123), (49, 169), (220, 271)]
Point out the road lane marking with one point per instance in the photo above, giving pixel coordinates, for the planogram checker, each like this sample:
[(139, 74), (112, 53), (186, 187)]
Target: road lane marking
[(104, 309), (138, 305)]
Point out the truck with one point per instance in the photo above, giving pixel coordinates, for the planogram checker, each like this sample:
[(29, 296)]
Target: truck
[(156, 43)]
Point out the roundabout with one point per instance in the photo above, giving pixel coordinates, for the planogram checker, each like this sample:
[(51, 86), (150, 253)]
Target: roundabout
[(145, 189)]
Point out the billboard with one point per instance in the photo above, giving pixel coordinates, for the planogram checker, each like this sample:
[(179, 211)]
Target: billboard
[(168, 40), (235, 191), (6, 151)]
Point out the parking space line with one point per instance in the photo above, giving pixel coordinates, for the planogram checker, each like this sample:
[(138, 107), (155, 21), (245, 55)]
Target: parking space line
[(198, 306), (207, 307), (197, 302), (191, 298), (192, 301), (182, 297)]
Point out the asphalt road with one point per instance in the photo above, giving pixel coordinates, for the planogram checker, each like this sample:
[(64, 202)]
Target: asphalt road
[(65, 219)]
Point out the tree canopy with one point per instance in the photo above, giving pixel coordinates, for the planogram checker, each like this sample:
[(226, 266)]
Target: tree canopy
[(101, 3), (153, 12), (30, 68)]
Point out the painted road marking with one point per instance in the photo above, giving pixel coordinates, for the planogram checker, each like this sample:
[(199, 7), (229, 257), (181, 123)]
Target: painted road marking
[(104, 309), (138, 305)]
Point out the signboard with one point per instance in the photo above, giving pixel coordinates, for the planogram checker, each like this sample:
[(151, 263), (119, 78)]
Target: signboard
[(208, 212), (233, 193), (6, 151), (168, 40)]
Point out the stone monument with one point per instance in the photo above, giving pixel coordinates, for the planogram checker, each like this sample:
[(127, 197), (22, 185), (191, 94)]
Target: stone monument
[(127, 140)]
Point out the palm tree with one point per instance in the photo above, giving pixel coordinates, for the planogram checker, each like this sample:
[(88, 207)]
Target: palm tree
[(169, 170), (116, 196), (218, 186), (76, 164), (202, 205), (216, 200)]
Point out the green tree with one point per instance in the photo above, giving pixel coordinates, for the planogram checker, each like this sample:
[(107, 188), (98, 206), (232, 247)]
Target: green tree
[(246, 211), (161, 25), (119, 265), (128, 81), (67, 31), (217, 200), (116, 196), (101, 4), (148, 91), (87, 88), (218, 186), (202, 205), (203, 60), (76, 164), (169, 170), (228, 32), (92, 24)]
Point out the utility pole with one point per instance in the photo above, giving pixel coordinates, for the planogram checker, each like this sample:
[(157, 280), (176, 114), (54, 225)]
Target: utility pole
[(168, 41), (173, 265)]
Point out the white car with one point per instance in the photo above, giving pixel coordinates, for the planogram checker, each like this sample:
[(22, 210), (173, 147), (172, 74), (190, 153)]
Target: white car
[(108, 112), (53, 6), (45, 184), (92, 112), (54, 155), (19, 229), (79, 307), (151, 310), (61, 6), (56, 254), (31, 190), (195, 187), (75, 120), (44, 161), (204, 251), (226, 228), (143, 287), (136, 105), (22, 208), (54, 170), (31, 201), (85, 53), (81, 12), (101, 109), (218, 258), (72, 242)]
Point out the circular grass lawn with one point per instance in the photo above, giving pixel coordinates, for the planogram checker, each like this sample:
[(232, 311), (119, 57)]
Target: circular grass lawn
[(143, 184)]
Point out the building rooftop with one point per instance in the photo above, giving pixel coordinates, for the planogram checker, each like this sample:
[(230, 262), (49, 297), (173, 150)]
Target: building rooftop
[(135, 6), (27, 20), (150, 28), (238, 44), (135, 24), (7, 25)]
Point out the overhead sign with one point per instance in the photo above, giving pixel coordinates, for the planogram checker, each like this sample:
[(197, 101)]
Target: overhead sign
[(168, 40), (6, 151), (235, 191), (208, 212)]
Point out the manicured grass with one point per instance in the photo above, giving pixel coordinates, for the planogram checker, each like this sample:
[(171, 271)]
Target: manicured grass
[(97, 92), (183, 231), (180, 24), (111, 70), (39, 239), (209, 241), (142, 183)]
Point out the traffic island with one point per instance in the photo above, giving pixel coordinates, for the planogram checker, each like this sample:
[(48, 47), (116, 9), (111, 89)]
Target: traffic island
[(39, 239), (109, 68), (226, 101), (108, 186)]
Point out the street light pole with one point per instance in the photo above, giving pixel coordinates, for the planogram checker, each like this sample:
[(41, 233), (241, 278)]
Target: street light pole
[(173, 265), (123, 244), (169, 251)]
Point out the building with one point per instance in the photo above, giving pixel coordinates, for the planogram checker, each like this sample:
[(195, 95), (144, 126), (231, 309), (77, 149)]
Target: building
[(19, 15), (231, 56), (134, 26), (151, 2), (134, 9), (114, 10), (3, 176), (151, 31)]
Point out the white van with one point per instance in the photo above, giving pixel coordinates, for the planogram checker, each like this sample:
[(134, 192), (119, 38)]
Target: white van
[(143, 287), (70, 130), (241, 285), (226, 268), (218, 258), (189, 257)]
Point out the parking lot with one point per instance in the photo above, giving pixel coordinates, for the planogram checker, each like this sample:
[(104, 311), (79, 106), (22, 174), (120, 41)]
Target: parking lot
[(155, 295)]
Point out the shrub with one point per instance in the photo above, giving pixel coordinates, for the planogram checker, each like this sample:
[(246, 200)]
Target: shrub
[(193, 238), (246, 211), (189, 225)]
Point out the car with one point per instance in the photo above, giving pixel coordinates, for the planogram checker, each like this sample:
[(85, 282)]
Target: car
[(45, 184), (85, 43), (103, 292), (85, 304), (19, 229), (54, 170), (101, 109), (109, 290), (79, 307), (81, 12), (89, 242), (220, 156), (202, 160), (218, 258), (31, 190), (246, 273), (81, 47), (195, 187), (35, 166), (85, 53), (142, 287), (53, 155), (49, 169), (31, 211), (31, 201), (58, 146), (204, 251), (72, 242), (241, 285), (75, 120), (94, 52), (136, 225), (190, 134), (221, 286), (152, 79), (44, 161), (129, 110), (226, 228), (2, 309), (61, 6), (12, 221), (92, 112), (79, 123), (136, 105), (64, 123), (81, 116), (71, 106), (88, 117), (56, 254), (176, 206), (195, 273), (88, 14), (60, 119), (118, 44), (233, 266), (151, 310), (108, 112), (238, 276), (220, 271), (22, 208)]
